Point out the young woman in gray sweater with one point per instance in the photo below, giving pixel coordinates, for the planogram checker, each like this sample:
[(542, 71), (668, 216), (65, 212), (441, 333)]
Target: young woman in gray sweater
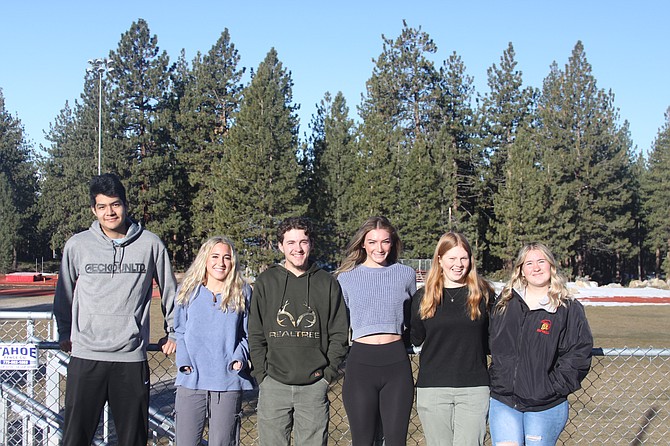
[(378, 384)]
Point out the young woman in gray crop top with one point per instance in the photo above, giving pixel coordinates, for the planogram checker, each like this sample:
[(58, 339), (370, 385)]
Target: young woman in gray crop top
[(378, 382)]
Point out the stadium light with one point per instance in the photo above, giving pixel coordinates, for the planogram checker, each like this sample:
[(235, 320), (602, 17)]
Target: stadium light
[(99, 66)]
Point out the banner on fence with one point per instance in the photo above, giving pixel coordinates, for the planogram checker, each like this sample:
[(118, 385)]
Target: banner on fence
[(15, 356)]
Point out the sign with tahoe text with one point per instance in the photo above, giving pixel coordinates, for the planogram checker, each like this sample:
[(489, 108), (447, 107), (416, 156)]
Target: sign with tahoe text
[(17, 356)]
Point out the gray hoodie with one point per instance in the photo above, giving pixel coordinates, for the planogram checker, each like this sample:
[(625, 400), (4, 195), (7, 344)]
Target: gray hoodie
[(104, 291)]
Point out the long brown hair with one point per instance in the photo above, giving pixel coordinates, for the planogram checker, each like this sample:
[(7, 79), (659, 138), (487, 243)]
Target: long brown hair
[(478, 288), (355, 254)]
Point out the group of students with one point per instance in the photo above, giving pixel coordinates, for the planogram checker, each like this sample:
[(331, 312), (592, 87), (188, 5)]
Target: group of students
[(291, 333)]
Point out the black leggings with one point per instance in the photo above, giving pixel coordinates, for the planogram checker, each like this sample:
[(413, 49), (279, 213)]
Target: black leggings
[(378, 385)]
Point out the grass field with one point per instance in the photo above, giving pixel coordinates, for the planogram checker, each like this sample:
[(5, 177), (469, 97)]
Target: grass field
[(630, 326)]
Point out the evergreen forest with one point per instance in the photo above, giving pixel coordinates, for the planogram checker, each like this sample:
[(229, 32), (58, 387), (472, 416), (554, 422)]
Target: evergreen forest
[(206, 146)]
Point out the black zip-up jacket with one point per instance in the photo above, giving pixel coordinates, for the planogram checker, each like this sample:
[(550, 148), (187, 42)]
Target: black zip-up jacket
[(538, 357)]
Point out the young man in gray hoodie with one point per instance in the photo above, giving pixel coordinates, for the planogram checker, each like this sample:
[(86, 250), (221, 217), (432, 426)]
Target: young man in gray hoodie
[(102, 309)]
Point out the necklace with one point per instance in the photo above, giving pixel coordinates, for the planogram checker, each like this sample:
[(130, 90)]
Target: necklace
[(449, 295)]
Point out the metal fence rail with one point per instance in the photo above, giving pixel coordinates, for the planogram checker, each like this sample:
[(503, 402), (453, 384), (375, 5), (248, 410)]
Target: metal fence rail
[(625, 399)]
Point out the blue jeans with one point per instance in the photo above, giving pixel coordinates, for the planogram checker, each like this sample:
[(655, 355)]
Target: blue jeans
[(509, 426)]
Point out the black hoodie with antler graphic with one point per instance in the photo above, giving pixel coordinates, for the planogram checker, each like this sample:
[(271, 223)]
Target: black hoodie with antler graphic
[(298, 326)]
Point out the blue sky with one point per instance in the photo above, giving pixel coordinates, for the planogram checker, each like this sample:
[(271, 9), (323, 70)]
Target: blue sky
[(329, 46)]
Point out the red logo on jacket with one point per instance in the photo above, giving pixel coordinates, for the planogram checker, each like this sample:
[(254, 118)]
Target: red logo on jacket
[(545, 327)]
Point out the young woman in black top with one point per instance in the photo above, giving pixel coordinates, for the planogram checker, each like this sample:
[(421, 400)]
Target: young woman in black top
[(450, 322)]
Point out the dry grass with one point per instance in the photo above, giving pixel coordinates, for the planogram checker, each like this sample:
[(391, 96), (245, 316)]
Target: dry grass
[(630, 326)]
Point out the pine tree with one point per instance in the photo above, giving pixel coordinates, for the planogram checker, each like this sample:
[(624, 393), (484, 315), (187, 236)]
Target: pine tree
[(9, 229), (70, 163), (456, 155), (18, 178), (143, 151), (587, 157), (637, 268), (656, 202), (400, 105), (505, 109), (210, 99), (621, 216), (521, 200), (420, 197), (256, 183), (329, 169)]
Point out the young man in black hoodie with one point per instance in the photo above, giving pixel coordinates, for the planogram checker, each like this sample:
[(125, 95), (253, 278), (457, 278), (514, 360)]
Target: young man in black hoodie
[(298, 332)]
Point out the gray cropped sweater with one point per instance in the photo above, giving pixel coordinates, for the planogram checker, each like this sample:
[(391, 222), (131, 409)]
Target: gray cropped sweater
[(377, 298)]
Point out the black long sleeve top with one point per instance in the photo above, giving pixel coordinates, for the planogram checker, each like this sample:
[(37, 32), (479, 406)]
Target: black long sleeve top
[(453, 347)]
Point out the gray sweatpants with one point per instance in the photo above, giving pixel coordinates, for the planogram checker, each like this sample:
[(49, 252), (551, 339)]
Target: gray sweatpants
[(220, 409)]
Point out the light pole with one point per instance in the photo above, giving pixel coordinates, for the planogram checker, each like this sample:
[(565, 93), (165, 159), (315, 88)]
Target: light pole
[(99, 66)]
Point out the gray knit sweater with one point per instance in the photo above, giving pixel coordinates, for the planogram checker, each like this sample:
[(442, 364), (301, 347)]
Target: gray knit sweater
[(377, 298)]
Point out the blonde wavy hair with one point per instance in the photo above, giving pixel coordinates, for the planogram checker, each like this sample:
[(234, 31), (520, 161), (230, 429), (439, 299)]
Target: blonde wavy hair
[(355, 254), (558, 290), (478, 288), (232, 297)]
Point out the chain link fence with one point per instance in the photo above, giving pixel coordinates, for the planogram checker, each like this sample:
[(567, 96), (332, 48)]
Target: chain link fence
[(421, 266), (624, 399)]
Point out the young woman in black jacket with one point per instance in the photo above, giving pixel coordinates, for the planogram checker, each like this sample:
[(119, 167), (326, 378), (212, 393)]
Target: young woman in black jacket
[(540, 344)]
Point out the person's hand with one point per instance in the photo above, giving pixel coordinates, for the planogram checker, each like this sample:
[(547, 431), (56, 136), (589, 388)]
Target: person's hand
[(66, 346), (167, 345), (237, 365)]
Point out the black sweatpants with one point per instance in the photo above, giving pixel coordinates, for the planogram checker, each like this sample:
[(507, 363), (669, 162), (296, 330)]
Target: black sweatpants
[(125, 385), (378, 385)]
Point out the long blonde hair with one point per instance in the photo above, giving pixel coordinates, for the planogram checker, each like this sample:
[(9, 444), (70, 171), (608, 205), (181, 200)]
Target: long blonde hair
[(478, 288), (355, 254), (232, 297), (558, 291)]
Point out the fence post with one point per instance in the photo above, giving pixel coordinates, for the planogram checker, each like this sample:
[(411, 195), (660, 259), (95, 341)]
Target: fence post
[(28, 424), (3, 418), (52, 397)]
